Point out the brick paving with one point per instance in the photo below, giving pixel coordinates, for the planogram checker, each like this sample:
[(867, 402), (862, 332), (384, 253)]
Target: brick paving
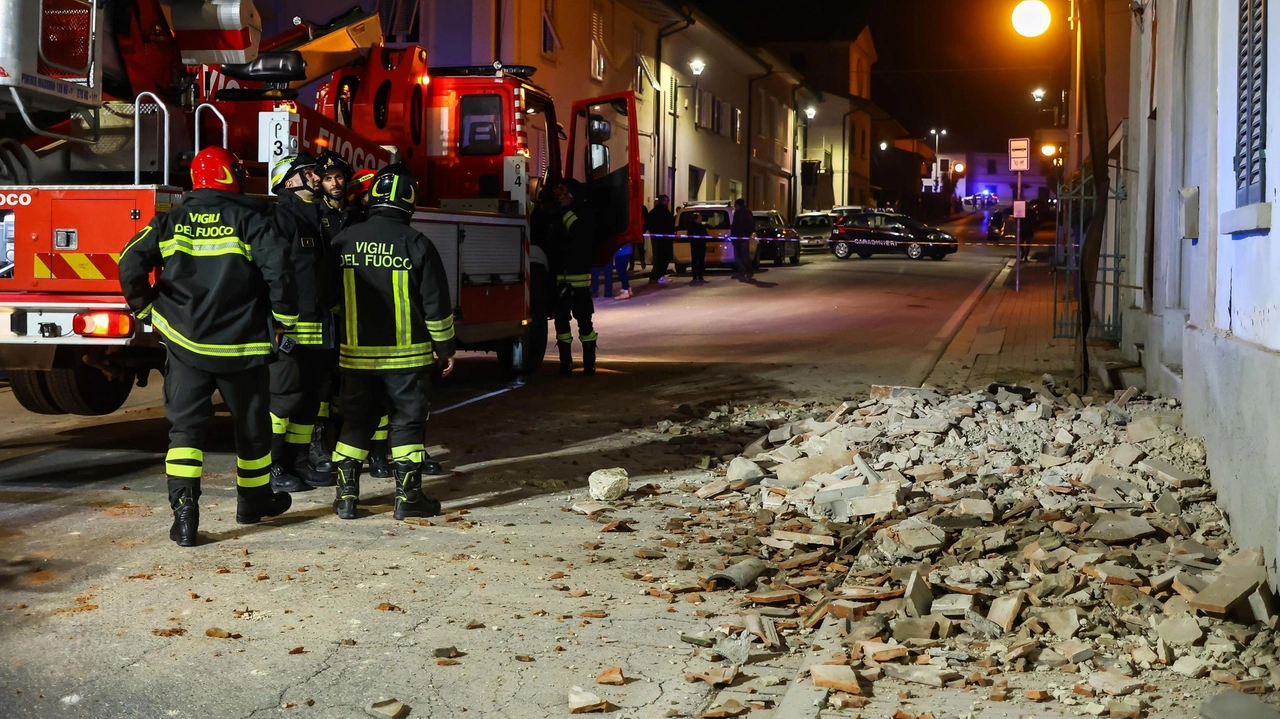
[(1009, 335)]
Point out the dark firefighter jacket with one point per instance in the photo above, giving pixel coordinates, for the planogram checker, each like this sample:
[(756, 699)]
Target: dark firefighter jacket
[(333, 219), (572, 246), (298, 221), (224, 277), (394, 295)]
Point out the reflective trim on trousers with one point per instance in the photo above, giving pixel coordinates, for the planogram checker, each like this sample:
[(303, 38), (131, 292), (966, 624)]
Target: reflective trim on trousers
[(408, 453), (253, 472), (298, 433), (184, 462), (346, 451)]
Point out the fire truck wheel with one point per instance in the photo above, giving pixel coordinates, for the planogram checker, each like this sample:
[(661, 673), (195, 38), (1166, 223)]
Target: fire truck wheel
[(524, 356), (31, 388), (84, 390)]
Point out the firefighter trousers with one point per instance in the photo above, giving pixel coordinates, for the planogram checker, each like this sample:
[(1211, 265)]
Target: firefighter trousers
[(366, 398), (188, 405), (297, 380), (574, 302)]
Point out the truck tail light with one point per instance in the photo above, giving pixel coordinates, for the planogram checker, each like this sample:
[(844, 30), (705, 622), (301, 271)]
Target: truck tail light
[(103, 324)]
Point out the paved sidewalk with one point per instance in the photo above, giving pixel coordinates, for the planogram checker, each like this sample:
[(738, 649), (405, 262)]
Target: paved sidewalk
[(1009, 335)]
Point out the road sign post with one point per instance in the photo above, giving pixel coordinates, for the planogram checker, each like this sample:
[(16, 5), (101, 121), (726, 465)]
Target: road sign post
[(1019, 162)]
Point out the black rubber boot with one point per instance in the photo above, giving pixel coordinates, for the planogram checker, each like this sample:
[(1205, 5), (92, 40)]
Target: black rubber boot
[(430, 466), (254, 504), (283, 458), (317, 452), (379, 464), (566, 358), (410, 501), (589, 357), (184, 497), (314, 474), (348, 494)]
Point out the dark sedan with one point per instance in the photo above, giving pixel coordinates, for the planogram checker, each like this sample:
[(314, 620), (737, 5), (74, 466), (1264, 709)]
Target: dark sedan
[(868, 233)]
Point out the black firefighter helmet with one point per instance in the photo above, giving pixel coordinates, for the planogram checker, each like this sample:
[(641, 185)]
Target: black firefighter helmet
[(394, 187)]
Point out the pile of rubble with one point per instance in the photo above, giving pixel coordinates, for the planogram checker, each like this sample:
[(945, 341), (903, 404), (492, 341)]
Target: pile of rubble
[(953, 540)]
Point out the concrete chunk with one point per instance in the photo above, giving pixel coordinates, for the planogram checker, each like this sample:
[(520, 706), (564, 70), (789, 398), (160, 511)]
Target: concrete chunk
[(980, 508), (1114, 684), (1005, 610), (923, 674), (741, 468), (875, 504), (1225, 592), (952, 605), (918, 595), (1189, 666), (1180, 630), (840, 677), (1119, 529), (1169, 474), (607, 485), (1124, 455)]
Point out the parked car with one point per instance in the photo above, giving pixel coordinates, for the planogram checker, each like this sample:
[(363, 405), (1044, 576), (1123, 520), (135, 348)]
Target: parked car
[(1001, 227), (846, 210), (716, 217), (869, 233), (777, 241), (814, 229)]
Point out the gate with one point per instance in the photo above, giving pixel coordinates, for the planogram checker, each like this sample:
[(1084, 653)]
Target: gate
[(1075, 210)]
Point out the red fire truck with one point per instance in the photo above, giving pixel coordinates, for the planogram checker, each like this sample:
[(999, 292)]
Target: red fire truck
[(139, 96)]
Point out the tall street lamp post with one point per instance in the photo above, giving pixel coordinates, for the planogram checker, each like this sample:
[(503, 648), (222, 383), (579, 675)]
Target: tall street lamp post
[(937, 161), (696, 67)]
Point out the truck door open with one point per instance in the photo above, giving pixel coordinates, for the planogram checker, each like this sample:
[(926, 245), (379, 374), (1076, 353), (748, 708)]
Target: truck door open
[(604, 155)]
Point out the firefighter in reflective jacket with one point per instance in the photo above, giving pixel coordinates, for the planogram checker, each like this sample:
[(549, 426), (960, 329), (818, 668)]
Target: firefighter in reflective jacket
[(225, 282), (572, 246), (395, 314), (304, 364)]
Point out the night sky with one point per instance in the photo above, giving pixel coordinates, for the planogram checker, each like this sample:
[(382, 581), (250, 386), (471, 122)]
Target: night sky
[(953, 64)]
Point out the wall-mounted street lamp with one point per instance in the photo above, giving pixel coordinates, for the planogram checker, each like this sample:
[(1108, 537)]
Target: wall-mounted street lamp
[(697, 66), (1038, 95), (811, 112), (884, 146)]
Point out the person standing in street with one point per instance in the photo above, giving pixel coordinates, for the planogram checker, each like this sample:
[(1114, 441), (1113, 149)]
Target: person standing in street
[(741, 227), (698, 248), (304, 362), (224, 284), (603, 276), (397, 315), (572, 243), (660, 225)]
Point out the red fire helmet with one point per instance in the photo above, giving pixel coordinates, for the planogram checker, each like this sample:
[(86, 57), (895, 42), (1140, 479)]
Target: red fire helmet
[(216, 168), (360, 183)]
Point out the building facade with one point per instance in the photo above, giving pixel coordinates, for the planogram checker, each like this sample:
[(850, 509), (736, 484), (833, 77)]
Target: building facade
[(1202, 308)]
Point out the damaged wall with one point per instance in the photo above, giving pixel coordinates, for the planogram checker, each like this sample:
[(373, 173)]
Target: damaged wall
[(1204, 312)]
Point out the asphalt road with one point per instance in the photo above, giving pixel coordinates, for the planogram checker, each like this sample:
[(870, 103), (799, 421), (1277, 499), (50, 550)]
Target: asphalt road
[(91, 590)]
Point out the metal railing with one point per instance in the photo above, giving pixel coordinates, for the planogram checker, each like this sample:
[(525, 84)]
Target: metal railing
[(201, 108), (137, 136), (1076, 205)]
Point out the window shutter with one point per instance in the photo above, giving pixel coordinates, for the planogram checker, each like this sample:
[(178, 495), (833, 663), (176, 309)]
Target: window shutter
[(1251, 71)]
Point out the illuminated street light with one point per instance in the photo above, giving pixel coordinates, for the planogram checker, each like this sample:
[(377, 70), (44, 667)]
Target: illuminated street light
[(1038, 95), (697, 66), (1031, 18), (958, 168), (1048, 150), (884, 146), (811, 112)]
